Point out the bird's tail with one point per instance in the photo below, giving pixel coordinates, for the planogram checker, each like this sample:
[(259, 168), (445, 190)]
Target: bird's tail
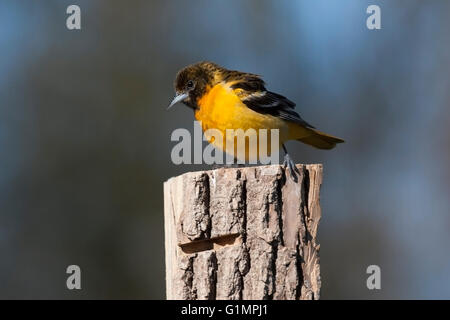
[(320, 139)]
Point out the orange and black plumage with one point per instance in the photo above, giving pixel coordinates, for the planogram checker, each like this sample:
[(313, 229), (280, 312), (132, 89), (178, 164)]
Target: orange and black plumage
[(228, 99)]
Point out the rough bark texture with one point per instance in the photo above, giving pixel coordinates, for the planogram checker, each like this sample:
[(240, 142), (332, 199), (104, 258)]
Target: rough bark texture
[(243, 233)]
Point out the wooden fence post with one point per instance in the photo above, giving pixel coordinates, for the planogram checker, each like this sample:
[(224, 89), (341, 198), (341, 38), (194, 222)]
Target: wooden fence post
[(243, 233)]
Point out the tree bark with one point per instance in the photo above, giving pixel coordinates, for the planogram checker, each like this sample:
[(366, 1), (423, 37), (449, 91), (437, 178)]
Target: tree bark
[(243, 233)]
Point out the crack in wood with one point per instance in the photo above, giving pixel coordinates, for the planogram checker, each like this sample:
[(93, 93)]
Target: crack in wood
[(209, 244)]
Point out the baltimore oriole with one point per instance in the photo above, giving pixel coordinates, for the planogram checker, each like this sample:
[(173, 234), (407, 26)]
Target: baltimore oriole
[(228, 99)]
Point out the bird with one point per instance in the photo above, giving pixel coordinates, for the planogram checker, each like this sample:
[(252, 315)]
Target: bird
[(229, 99)]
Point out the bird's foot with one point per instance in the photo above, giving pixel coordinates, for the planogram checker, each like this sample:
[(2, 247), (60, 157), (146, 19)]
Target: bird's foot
[(290, 165)]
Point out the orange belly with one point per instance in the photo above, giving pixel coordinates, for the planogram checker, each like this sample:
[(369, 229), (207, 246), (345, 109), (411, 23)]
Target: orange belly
[(221, 109)]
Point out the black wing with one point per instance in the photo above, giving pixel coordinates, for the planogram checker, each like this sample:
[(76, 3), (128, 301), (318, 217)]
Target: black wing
[(256, 97)]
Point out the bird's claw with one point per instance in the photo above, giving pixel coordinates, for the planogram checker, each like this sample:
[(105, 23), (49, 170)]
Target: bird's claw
[(290, 165)]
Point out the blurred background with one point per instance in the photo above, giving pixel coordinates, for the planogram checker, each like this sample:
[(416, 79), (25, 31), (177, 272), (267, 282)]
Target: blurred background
[(85, 136)]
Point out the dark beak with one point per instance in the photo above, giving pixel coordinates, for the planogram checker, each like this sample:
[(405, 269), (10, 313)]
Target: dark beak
[(178, 98)]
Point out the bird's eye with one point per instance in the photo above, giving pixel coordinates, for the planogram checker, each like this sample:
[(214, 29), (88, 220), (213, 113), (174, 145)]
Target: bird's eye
[(190, 84)]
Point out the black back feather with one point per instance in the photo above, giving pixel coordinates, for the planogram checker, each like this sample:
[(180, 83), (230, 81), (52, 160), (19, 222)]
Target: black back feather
[(267, 102)]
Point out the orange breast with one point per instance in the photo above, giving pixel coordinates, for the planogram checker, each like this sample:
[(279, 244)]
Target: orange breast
[(221, 109)]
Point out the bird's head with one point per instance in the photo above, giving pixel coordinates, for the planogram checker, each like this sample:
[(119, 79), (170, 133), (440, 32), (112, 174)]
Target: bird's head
[(193, 81)]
